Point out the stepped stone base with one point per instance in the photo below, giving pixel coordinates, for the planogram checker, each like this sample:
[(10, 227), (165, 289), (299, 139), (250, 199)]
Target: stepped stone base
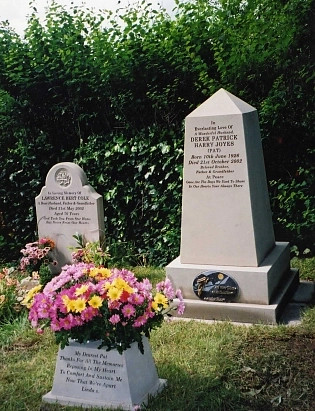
[(263, 291), (241, 312)]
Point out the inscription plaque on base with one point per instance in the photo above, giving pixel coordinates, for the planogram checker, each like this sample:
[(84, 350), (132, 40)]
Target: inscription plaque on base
[(215, 286), (91, 377)]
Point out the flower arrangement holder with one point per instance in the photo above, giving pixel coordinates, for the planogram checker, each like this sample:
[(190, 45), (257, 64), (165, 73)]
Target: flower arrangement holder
[(90, 377), (90, 307)]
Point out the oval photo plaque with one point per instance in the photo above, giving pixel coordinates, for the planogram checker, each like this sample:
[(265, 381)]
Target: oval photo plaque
[(215, 286)]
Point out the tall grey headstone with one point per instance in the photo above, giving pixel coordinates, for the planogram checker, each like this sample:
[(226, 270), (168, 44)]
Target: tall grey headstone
[(68, 205), (226, 232)]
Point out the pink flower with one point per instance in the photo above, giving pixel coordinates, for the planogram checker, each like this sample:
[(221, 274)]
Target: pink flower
[(166, 288), (59, 304), (136, 299), (181, 308), (146, 284), (41, 254), (129, 277), (159, 286), (55, 325), (99, 287), (34, 321), (114, 305), (68, 322), (128, 310), (88, 313), (145, 287), (114, 319), (77, 321), (43, 312), (149, 313), (140, 321), (169, 291), (179, 295)]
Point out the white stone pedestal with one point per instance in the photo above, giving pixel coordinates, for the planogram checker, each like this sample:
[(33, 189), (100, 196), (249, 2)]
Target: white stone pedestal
[(90, 377), (262, 291)]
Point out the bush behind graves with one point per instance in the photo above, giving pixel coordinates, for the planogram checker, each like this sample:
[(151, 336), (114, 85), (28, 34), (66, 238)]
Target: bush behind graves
[(114, 97), (142, 206)]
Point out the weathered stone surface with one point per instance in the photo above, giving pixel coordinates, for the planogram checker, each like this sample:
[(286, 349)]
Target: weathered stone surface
[(90, 377), (227, 240), (226, 217), (67, 205)]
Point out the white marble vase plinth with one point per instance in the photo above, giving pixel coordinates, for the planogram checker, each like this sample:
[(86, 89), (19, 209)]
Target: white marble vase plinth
[(90, 377)]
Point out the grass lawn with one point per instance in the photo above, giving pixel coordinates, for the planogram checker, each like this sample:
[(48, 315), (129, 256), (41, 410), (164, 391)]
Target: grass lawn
[(217, 366)]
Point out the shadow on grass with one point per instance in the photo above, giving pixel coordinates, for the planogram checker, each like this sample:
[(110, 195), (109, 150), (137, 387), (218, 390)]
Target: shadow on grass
[(192, 392)]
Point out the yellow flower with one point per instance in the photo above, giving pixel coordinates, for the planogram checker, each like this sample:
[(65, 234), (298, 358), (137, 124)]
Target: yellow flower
[(118, 283), (95, 301), (81, 290), (106, 286), (104, 272), (99, 272), (122, 285), (155, 306), (161, 299), (114, 293), (28, 299), (93, 272), (70, 304), (79, 305)]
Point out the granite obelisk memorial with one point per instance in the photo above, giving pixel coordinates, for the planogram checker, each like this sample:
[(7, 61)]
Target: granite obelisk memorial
[(68, 205), (230, 266)]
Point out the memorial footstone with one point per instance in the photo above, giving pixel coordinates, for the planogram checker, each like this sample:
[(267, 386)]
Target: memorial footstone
[(67, 205), (90, 377), (230, 266)]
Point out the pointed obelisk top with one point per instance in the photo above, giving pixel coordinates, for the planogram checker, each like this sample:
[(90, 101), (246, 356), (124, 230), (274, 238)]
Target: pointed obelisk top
[(226, 216), (221, 103)]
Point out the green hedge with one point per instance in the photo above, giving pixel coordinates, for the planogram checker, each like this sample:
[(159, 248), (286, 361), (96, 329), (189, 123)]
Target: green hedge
[(111, 91)]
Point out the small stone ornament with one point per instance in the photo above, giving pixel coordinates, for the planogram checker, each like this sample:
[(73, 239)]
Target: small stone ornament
[(215, 286)]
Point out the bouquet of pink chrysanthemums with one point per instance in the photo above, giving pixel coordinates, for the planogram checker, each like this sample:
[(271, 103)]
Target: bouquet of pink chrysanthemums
[(36, 253), (86, 302)]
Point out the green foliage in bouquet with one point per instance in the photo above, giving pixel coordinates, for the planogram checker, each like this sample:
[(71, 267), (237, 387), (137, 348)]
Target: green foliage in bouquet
[(88, 302), (37, 257)]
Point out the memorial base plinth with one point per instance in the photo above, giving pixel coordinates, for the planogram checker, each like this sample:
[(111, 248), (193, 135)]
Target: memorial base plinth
[(241, 312), (90, 377), (262, 294)]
